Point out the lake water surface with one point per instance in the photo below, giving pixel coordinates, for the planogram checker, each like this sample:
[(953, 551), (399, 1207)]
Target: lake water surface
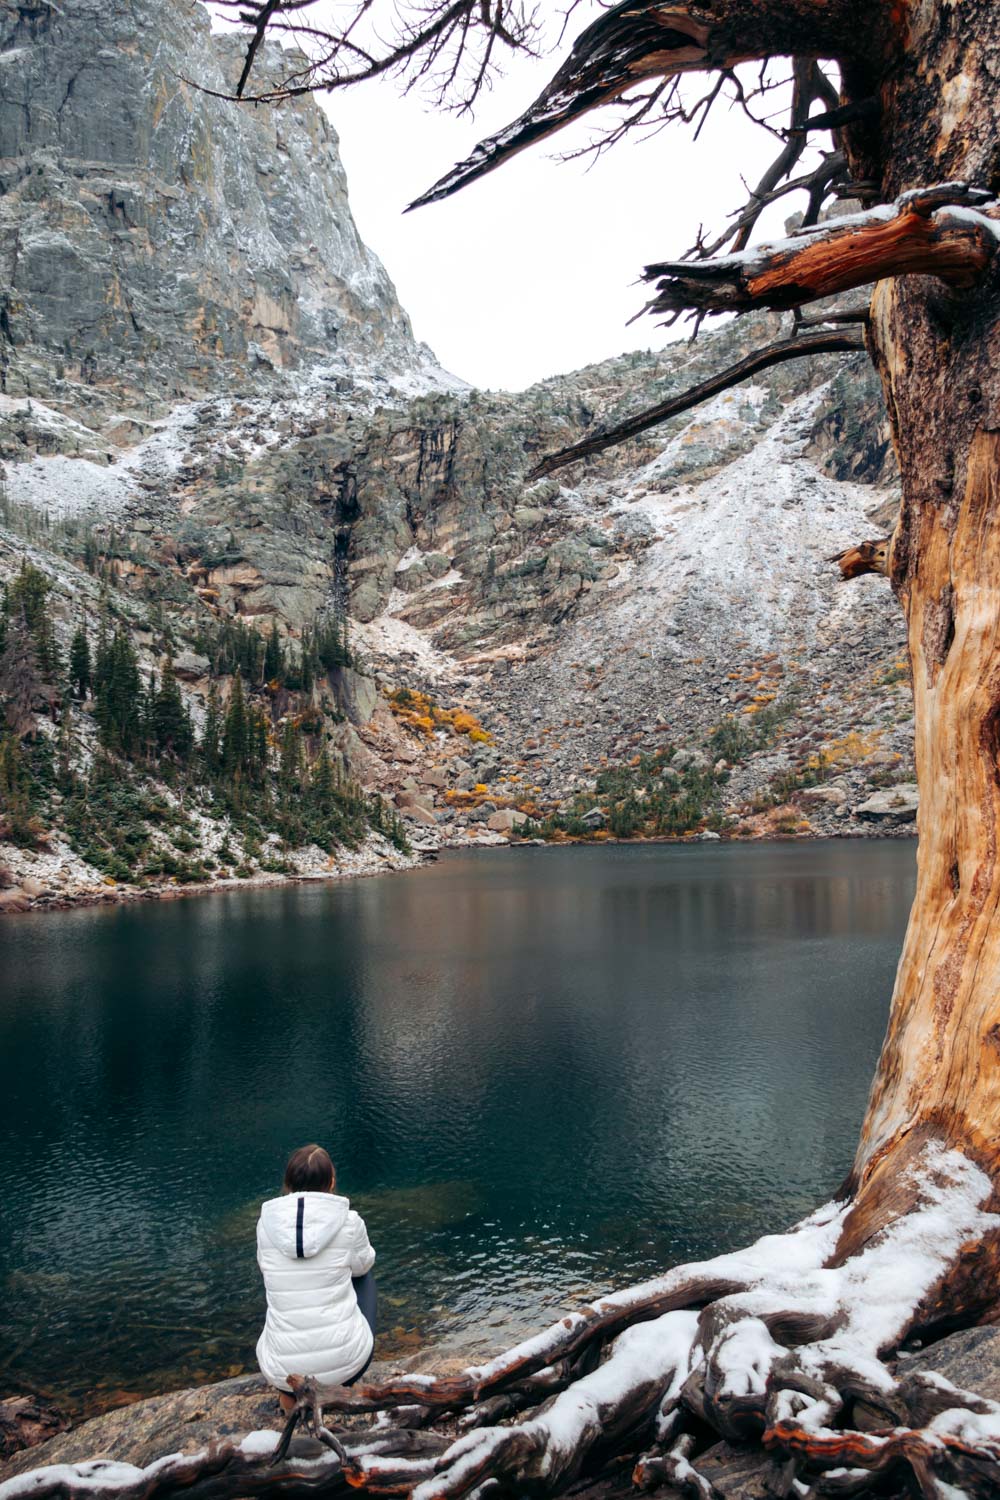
[(541, 1073)]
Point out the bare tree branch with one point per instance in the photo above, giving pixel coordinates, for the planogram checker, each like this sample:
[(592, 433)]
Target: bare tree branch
[(761, 359), (862, 558), (431, 43), (636, 42)]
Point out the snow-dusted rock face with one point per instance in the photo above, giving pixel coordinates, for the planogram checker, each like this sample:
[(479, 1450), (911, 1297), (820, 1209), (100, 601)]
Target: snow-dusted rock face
[(156, 240), (210, 395)]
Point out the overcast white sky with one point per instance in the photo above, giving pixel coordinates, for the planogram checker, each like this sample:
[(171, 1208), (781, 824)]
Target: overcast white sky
[(531, 271)]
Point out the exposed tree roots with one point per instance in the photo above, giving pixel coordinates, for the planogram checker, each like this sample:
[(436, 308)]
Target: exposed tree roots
[(776, 1344)]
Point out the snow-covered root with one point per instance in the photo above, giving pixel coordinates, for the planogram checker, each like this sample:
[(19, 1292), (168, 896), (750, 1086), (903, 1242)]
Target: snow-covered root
[(226, 1470), (649, 1361), (776, 1343)]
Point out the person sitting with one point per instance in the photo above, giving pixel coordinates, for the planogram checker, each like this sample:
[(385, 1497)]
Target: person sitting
[(316, 1260)]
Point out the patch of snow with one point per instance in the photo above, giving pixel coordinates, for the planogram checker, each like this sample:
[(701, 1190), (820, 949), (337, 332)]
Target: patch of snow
[(257, 1443), (61, 487), (447, 580), (387, 638)]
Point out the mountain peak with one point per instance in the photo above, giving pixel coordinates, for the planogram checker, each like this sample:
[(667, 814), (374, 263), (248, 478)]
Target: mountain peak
[(153, 237)]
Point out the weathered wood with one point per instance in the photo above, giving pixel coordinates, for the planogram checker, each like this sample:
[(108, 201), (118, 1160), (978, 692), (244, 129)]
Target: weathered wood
[(684, 1288), (971, 1468), (26, 1421), (919, 239), (793, 1338), (864, 558)]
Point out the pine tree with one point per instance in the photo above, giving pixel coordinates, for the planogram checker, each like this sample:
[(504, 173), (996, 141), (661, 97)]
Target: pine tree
[(172, 733), (21, 684), (211, 734), (102, 659), (119, 710), (147, 717), (290, 763), (16, 821), (259, 748), (235, 732), (28, 595), (79, 662), (274, 665), (322, 783)]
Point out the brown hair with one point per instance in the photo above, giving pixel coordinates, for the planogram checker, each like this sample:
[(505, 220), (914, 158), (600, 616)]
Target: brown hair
[(309, 1170)]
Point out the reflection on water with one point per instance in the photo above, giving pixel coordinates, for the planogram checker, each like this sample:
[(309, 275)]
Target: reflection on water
[(540, 1073)]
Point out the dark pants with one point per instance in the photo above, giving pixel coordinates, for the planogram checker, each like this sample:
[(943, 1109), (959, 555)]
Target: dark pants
[(367, 1294)]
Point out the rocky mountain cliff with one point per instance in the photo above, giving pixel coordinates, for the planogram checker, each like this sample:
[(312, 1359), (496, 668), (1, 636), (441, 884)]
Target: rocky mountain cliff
[(158, 243), (214, 417)]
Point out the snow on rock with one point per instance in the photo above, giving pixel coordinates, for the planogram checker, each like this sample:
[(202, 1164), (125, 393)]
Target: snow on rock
[(257, 1443), (63, 487), (389, 639)]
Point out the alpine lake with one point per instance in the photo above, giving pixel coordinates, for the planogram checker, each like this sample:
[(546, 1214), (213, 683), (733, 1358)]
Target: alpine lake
[(542, 1073)]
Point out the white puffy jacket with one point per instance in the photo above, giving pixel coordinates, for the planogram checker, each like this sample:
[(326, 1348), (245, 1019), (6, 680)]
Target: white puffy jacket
[(309, 1245)]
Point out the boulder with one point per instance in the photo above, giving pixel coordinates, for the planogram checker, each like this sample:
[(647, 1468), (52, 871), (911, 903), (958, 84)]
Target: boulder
[(691, 760), (407, 800), (144, 1431), (356, 694), (969, 1359), (822, 796), (528, 516), (506, 820), (595, 818), (418, 814), (189, 666), (27, 1421), (411, 578), (33, 887), (435, 777), (893, 804), (14, 900)]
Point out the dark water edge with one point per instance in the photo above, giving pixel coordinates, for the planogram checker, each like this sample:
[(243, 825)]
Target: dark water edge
[(543, 1072)]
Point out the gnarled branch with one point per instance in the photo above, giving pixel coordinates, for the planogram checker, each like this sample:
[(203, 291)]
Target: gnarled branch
[(829, 342), (635, 43), (937, 231)]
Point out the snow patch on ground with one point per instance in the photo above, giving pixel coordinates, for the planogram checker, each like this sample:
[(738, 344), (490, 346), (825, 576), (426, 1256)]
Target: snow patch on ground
[(62, 487), (389, 639)]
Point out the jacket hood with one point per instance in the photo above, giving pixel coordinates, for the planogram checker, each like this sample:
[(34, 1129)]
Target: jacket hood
[(302, 1224)]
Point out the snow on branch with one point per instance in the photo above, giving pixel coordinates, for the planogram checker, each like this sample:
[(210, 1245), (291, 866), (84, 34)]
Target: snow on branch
[(947, 231)]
